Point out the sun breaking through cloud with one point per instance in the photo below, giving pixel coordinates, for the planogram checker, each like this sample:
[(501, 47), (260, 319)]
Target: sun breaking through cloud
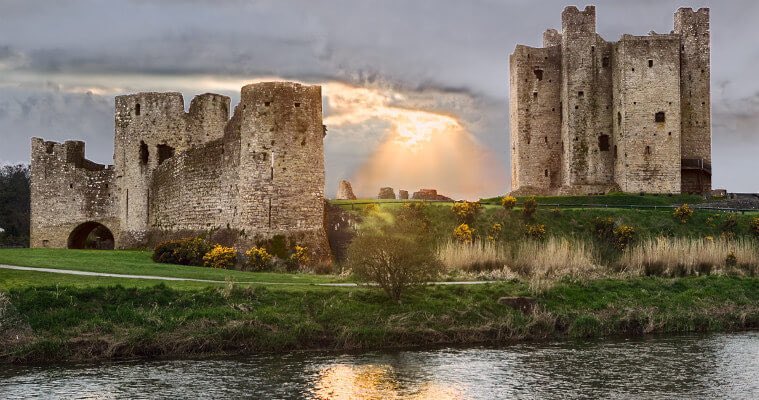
[(418, 148)]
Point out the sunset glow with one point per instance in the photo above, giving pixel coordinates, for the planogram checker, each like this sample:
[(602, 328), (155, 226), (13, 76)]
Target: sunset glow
[(418, 149)]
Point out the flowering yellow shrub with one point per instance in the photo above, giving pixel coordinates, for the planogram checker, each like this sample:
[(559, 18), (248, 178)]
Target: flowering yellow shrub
[(683, 213), (463, 233), (624, 235), (258, 259), (508, 202), (495, 232), (537, 231), (754, 225), (466, 211), (221, 257), (300, 255)]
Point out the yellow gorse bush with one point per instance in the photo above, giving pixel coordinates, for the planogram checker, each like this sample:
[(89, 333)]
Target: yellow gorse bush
[(508, 202), (220, 257), (258, 258), (495, 232), (463, 233), (537, 231), (466, 211), (300, 255), (754, 225), (683, 213)]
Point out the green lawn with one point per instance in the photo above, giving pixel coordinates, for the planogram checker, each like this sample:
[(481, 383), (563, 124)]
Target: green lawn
[(138, 263)]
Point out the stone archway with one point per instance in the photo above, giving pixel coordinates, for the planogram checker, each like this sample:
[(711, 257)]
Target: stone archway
[(91, 235)]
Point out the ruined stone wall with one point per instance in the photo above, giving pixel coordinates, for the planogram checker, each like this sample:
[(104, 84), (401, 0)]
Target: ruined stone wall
[(693, 28), (66, 191), (648, 152), (178, 173), (147, 125), (190, 191), (535, 106)]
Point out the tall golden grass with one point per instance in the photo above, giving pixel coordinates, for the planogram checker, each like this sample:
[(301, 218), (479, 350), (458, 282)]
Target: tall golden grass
[(539, 262), (543, 262), (689, 256)]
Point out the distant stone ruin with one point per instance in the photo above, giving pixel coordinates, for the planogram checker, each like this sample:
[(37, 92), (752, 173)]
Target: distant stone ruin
[(250, 177), (429, 194), (345, 191), (403, 194), (386, 193)]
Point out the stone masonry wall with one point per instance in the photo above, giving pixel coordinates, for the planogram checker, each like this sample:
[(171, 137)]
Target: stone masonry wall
[(648, 152), (67, 190)]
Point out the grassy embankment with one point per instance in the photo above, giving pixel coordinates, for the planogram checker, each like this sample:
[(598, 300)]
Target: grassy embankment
[(578, 222), (65, 323)]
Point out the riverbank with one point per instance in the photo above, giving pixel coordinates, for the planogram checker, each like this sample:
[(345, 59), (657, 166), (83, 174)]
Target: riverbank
[(69, 323)]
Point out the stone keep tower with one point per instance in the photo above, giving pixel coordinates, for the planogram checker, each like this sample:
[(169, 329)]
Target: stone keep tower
[(177, 174), (590, 116)]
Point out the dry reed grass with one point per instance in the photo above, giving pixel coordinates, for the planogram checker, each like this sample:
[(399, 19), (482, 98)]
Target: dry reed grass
[(687, 256), (540, 262)]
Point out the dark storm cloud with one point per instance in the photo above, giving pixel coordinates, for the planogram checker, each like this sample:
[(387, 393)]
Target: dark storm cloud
[(446, 56)]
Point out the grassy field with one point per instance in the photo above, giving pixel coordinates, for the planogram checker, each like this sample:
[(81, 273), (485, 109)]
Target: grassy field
[(136, 263), (69, 323)]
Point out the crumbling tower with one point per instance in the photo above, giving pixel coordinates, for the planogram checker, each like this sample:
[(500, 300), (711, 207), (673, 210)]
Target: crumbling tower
[(586, 80), (696, 145), (281, 185)]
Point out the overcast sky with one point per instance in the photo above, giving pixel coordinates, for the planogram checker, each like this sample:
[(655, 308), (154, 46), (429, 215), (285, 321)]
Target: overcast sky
[(415, 92)]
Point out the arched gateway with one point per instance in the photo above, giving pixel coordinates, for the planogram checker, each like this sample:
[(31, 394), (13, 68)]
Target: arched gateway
[(91, 235)]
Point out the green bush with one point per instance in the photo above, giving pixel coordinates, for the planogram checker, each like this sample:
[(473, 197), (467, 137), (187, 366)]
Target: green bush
[(530, 207), (188, 251), (603, 228), (396, 257), (165, 252)]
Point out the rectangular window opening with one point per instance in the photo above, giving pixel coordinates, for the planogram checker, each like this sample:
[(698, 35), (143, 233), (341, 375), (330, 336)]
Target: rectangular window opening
[(650, 63), (538, 74)]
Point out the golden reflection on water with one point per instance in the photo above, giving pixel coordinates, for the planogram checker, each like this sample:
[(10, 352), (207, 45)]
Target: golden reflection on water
[(343, 381)]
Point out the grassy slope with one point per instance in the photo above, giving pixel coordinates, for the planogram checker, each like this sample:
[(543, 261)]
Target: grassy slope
[(138, 263), (611, 199), (69, 323), (579, 221)]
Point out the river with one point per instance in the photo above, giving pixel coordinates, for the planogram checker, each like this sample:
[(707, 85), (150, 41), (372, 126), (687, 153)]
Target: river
[(664, 367)]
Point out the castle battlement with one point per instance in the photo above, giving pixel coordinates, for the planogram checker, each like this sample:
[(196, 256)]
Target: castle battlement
[(591, 116)]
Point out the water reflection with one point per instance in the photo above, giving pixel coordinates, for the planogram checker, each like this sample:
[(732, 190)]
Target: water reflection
[(709, 367)]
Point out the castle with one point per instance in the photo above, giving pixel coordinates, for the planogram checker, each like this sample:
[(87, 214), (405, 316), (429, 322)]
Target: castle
[(591, 116), (176, 173)]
